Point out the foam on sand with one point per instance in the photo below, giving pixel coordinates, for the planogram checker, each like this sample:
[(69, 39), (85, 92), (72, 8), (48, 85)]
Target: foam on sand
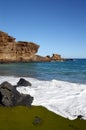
[(64, 98)]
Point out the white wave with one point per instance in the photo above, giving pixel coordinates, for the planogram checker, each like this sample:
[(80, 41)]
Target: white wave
[(64, 98)]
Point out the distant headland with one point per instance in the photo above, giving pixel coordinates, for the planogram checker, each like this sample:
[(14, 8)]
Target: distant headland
[(22, 51)]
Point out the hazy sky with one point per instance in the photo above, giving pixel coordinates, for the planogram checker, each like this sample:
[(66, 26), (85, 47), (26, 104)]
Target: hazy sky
[(58, 26)]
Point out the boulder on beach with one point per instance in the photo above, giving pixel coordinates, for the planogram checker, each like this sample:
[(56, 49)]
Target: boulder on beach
[(23, 82), (9, 96)]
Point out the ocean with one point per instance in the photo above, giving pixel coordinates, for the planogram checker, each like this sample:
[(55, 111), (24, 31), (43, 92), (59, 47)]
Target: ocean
[(58, 86)]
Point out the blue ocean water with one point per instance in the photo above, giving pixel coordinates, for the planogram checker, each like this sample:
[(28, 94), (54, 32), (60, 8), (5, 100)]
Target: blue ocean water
[(65, 82), (72, 71)]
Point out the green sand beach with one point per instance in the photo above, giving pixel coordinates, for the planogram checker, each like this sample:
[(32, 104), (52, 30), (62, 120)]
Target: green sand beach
[(43, 65), (36, 118)]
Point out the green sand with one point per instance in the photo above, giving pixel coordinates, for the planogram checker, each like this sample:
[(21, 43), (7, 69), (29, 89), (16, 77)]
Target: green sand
[(24, 118)]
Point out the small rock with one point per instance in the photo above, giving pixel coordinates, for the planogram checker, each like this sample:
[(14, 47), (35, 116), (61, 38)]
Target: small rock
[(79, 116), (37, 120), (23, 82)]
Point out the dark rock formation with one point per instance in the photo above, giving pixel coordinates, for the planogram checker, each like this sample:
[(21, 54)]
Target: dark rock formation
[(9, 96), (79, 116), (23, 82)]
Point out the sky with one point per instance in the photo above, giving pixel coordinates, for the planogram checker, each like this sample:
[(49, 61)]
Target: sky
[(58, 26)]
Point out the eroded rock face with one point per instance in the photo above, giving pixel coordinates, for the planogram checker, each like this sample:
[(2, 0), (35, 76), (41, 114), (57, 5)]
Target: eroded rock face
[(21, 51), (37, 58), (4, 38), (12, 51)]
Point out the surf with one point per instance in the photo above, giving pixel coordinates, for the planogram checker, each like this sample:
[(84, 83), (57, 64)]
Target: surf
[(61, 97)]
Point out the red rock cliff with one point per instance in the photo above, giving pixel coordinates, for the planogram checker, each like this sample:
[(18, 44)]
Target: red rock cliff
[(12, 51)]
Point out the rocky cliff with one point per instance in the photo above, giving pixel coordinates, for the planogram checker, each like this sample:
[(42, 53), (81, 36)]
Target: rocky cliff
[(21, 51), (12, 51)]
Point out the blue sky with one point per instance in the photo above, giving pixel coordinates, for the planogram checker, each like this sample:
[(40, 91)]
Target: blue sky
[(58, 26)]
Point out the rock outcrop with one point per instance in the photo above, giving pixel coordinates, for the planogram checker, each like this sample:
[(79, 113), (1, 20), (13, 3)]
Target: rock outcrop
[(37, 58), (21, 51), (56, 57), (9, 96), (12, 51)]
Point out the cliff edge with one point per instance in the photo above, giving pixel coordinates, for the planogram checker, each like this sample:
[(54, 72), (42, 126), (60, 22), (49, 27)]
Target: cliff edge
[(21, 51), (12, 51)]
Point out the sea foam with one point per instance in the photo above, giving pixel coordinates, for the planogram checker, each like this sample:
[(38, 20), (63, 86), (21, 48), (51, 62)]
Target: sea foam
[(63, 98)]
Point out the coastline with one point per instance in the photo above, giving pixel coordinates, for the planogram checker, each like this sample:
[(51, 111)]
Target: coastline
[(63, 98), (61, 88)]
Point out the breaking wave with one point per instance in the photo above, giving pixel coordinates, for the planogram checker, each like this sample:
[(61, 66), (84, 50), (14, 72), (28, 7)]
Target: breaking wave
[(61, 97)]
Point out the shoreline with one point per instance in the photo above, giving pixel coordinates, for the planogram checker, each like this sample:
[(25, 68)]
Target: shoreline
[(63, 100), (61, 60), (35, 118)]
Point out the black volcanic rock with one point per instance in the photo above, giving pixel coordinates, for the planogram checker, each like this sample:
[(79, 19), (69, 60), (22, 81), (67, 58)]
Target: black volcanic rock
[(9, 96), (24, 100), (80, 116), (23, 82), (8, 86)]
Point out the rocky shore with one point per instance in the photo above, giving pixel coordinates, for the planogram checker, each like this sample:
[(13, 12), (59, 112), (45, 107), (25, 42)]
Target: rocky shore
[(21, 51), (9, 96)]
